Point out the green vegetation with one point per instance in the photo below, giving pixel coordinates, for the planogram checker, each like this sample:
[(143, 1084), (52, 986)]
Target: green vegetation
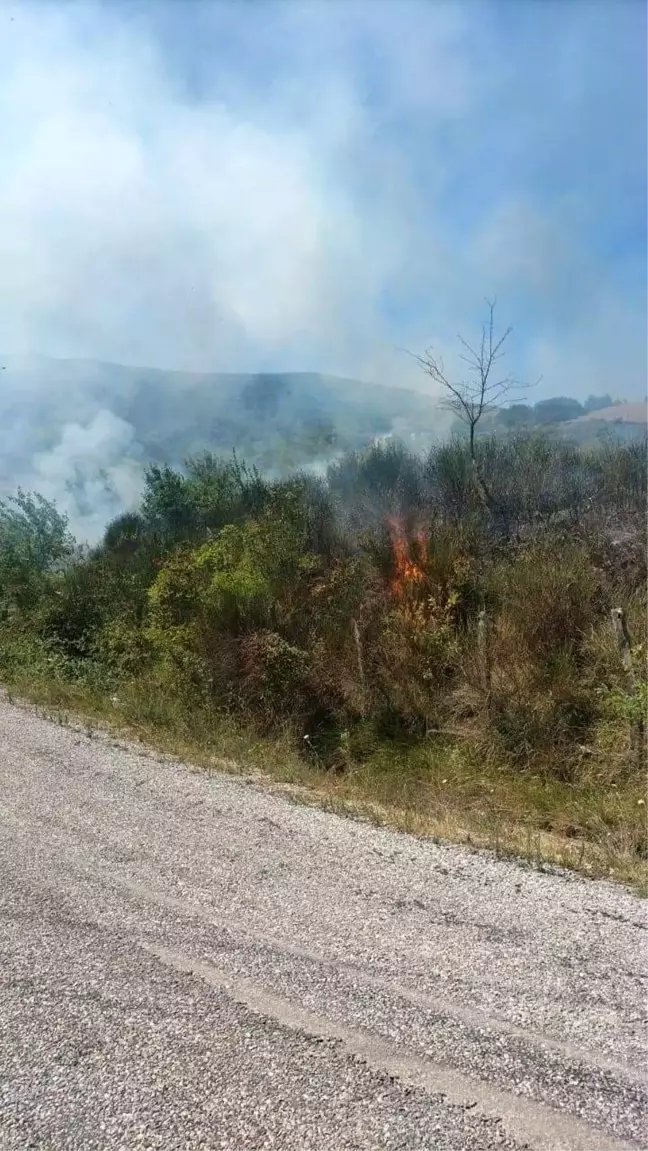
[(564, 417), (381, 635)]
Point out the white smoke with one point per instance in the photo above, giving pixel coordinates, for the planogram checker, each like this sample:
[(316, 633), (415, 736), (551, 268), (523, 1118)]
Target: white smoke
[(92, 473), (291, 187)]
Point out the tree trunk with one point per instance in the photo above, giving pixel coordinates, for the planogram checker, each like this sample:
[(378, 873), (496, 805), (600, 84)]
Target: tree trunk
[(482, 490)]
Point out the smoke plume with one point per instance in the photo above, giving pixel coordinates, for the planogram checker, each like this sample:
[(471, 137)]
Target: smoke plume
[(227, 187)]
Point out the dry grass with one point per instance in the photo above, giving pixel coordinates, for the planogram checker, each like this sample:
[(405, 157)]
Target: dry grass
[(435, 790)]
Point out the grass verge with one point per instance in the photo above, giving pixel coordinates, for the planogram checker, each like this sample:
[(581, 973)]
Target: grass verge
[(434, 791)]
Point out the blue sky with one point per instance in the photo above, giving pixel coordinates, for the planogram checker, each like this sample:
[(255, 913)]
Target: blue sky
[(258, 186)]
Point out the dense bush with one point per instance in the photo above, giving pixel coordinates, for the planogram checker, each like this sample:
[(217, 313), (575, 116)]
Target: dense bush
[(352, 604)]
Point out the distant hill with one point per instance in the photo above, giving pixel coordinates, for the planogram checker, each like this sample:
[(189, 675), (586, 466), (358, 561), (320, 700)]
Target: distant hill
[(634, 413), (70, 415), (625, 422), (81, 432), (568, 418)]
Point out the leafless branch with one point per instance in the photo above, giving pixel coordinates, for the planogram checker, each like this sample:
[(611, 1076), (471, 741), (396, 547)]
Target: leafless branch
[(479, 393), (472, 397)]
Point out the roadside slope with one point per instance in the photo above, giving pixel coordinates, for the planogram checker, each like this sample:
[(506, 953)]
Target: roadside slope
[(192, 962)]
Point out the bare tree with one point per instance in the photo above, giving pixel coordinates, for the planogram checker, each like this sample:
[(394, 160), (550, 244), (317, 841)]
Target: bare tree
[(481, 391)]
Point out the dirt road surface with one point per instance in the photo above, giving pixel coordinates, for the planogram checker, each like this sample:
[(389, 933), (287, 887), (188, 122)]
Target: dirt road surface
[(191, 961)]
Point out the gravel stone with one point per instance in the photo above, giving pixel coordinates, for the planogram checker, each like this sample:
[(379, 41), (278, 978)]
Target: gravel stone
[(189, 960)]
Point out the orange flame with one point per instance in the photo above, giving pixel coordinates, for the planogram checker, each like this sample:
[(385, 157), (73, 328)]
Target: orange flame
[(408, 572)]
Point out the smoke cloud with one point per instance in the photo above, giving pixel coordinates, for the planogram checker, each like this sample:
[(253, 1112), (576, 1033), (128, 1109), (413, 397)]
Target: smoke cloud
[(93, 472), (232, 187)]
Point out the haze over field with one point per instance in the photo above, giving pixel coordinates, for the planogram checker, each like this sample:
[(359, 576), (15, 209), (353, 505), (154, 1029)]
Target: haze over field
[(306, 187)]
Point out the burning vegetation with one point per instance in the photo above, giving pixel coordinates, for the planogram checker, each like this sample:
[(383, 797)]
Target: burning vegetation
[(409, 556), (309, 607)]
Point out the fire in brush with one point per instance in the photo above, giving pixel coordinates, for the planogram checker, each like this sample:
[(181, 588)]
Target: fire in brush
[(409, 572)]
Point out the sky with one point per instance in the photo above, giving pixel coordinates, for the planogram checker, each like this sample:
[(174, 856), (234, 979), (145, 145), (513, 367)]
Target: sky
[(259, 186)]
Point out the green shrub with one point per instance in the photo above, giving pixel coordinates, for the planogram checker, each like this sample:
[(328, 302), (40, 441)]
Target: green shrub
[(347, 608), (550, 595), (275, 679)]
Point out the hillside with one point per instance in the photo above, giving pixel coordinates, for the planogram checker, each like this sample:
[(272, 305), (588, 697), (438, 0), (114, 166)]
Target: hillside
[(81, 432), (634, 413), (623, 421), (273, 420)]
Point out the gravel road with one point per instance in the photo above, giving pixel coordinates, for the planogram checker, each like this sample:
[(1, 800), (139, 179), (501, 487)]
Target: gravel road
[(189, 960)]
